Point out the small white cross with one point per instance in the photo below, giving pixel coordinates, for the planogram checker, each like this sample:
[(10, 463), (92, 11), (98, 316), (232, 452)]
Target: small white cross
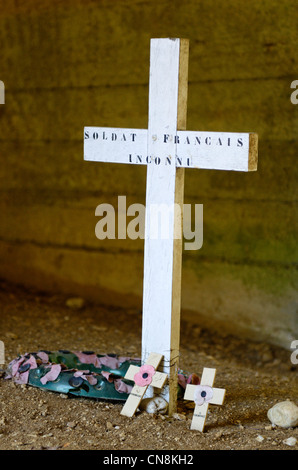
[(142, 375), (203, 395)]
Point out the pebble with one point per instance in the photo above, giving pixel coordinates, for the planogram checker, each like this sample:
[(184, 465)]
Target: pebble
[(179, 416), (155, 405), (75, 303), (260, 438), (284, 414), (291, 441), (11, 335), (109, 425), (71, 424)]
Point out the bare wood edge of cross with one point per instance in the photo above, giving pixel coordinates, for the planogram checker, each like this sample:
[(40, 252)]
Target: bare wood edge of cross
[(2, 353), (201, 410), (170, 119), (137, 393), (253, 152)]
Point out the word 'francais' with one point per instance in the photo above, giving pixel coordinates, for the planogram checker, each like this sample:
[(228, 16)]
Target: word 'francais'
[(194, 140)]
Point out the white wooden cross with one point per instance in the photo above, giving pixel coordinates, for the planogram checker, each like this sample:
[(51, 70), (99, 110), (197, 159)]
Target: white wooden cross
[(156, 380), (166, 148), (203, 395)]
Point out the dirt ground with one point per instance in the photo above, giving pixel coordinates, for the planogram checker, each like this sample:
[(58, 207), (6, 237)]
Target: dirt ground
[(255, 376)]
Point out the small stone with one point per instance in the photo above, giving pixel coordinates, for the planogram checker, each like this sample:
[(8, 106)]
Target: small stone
[(291, 441), (11, 335), (260, 438), (284, 414), (179, 416), (109, 426), (267, 356), (155, 405), (75, 303)]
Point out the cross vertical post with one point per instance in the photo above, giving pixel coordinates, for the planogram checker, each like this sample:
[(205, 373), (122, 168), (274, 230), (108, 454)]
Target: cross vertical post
[(165, 187)]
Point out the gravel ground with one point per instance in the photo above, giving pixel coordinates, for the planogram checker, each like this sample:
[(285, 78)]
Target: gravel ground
[(255, 375)]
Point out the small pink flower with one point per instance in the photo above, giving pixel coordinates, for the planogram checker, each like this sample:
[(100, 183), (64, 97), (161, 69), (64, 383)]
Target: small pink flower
[(203, 393), (144, 376)]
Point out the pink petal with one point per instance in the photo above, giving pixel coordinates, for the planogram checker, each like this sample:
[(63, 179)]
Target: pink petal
[(43, 356), (122, 387), (147, 369), (90, 378), (106, 375), (80, 373), (32, 362), (52, 374), (22, 378), (15, 364), (182, 380), (108, 361), (88, 358)]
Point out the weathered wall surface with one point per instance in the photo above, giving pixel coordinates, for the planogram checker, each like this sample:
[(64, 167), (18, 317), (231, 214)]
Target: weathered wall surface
[(67, 64)]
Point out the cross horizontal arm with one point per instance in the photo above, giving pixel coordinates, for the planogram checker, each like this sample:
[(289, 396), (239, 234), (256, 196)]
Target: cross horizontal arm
[(208, 376), (205, 150), (217, 399), (218, 396), (158, 380), (217, 150)]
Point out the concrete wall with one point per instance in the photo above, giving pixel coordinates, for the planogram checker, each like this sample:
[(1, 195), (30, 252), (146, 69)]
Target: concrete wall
[(67, 64)]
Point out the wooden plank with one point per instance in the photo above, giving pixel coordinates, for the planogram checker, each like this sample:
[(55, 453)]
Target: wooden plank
[(218, 396), (133, 401), (161, 276), (253, 152), (199, 417)]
